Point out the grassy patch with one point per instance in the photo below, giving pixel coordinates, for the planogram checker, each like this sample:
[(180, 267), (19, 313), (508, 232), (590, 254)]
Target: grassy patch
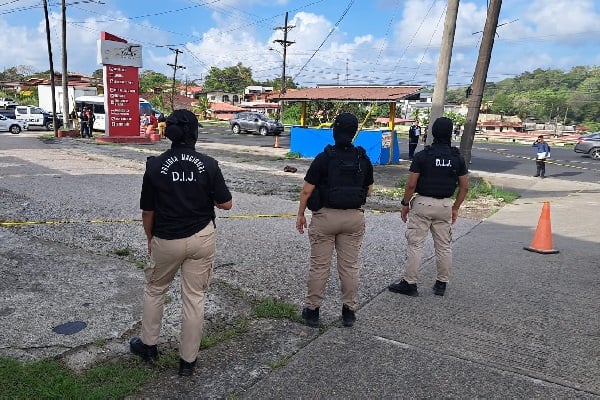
[(280, 363), (49, 379), (393, 193), (271, 308), (290, 155), (123, 252), (240, 327), (100, 342), (480, 187)]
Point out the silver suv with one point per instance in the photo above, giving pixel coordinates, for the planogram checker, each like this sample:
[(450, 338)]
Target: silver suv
[(255, 122), (589, 144)]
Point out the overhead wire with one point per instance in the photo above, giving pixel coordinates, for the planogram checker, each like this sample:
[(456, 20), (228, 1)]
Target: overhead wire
[(326, 38), (385, 37), (410, 42), (428, 44)]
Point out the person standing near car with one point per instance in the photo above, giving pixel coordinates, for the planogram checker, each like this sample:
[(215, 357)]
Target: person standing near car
[(83, 123), (91, 118), (414, 133), (180, 189), (435, 172), (336, 186), (542, 152), (161, 124)]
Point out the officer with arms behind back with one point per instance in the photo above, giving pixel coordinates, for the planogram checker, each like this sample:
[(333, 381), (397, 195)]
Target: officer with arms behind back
[(434, 174), (336, 186), (180, 189)]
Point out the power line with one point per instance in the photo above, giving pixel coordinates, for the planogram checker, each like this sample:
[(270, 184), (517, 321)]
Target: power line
[(327, 37)]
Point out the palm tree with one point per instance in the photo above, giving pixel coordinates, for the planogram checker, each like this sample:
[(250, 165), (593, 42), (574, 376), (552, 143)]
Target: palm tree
[(416, 114), (202, 107)]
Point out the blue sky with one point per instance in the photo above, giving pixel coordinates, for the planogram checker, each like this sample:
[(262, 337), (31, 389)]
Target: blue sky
[(336, 41)]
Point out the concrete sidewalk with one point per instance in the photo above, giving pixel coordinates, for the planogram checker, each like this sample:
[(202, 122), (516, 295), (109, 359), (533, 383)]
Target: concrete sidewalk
[(513, 324)]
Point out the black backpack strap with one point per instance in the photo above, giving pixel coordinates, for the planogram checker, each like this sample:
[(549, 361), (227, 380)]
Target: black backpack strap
[(329, 150)]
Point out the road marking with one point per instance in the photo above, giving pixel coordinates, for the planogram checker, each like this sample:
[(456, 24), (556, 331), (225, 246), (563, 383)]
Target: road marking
[(552, 162)]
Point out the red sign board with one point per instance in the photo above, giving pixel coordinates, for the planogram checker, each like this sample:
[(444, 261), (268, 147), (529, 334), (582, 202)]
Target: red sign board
[(122, 100)]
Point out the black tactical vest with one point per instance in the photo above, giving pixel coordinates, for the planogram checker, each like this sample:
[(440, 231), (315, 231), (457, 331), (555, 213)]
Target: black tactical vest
[(439, 178), (345, 179)]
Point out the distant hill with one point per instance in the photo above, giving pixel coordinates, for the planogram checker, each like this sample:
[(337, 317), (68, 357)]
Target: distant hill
[(571, 97)]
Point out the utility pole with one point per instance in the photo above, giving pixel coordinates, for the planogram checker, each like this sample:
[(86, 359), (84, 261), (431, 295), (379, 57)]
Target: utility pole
[(441, 83), (65, 73), (284, 43), (52, 77), (175, 68), (346, 71), (479, 78)]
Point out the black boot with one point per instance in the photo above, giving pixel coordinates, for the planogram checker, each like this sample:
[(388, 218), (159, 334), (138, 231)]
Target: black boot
[(186, 368), (311, 317), (147, 353), (348, 316)]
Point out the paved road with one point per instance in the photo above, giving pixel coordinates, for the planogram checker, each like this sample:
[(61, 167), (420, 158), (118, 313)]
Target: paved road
[(504, 158)]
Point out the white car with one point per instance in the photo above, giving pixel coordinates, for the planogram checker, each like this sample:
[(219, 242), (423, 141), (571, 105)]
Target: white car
[(6, 102), (13, 126)]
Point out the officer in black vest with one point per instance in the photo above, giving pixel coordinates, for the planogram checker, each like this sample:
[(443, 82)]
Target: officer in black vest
[(414, 133), (435, 172), (180, 189), (336, 224)]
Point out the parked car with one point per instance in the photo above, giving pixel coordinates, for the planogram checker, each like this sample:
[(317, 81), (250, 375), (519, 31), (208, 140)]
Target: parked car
[(6, 102), (255, 122), (12, 125), (589, 144), (10, 113), (36, 116)]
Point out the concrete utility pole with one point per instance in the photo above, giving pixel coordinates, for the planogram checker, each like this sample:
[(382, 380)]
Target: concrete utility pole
[(52, 77), (284, 43), (65, 73), (441, 82), (479, 78), (175, 67)]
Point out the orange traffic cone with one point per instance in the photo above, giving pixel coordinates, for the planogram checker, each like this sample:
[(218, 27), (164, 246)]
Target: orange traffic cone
[(276, 145), (542, 239)]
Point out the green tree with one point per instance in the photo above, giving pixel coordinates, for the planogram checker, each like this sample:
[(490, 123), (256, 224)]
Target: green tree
[(149, 80), (457, 119), (202, 107), (276, 83), (456, 96), (230, 79), (98, 74)]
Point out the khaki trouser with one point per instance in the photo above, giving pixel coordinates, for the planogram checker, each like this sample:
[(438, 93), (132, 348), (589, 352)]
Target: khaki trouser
[(195, 256), (161, 129), (435, 215), (344, 230)]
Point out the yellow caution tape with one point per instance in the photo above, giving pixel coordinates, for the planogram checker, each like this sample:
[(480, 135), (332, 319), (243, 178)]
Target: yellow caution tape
[(109, 221)]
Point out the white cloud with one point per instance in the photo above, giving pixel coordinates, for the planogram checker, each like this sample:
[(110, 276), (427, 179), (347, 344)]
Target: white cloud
[(563, 19)]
